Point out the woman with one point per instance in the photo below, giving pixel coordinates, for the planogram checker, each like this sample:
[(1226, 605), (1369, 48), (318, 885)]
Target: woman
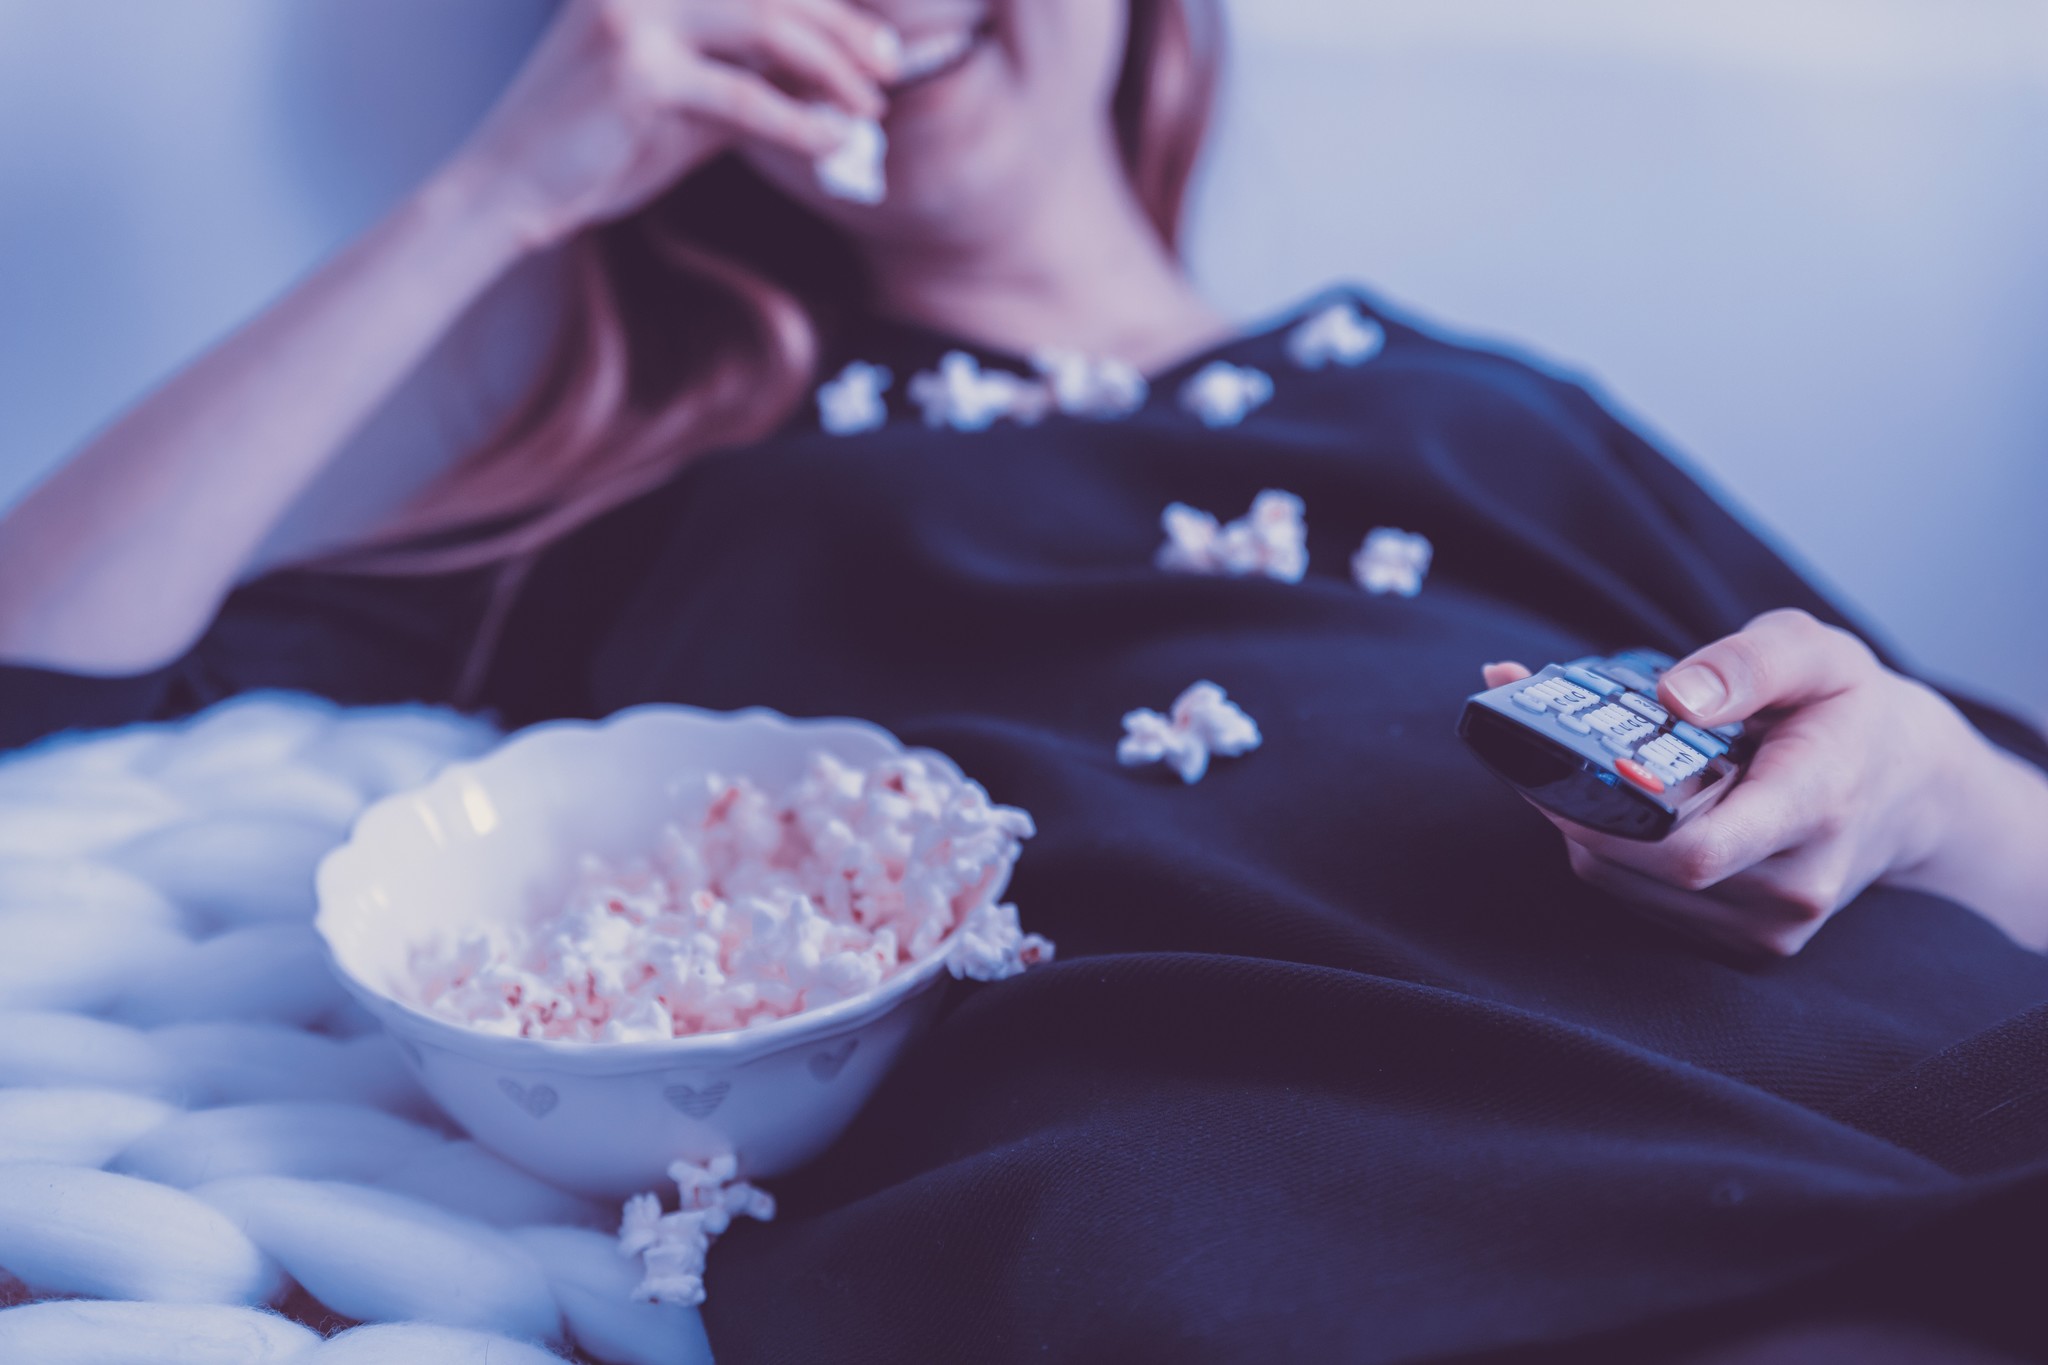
[(1342, 1060)]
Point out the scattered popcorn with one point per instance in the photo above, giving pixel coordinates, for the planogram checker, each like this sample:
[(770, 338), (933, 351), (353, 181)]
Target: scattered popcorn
[(990, 945), (1339, 333), (756, 910), (1271, 539), (672, 1246), (852, 403), (963, 396), (853, 170), (1391, 561), (1087, 386), (1204, 722), (1223, 394)]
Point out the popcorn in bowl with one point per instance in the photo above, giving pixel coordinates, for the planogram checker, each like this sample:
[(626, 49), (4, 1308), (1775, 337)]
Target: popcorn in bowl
[(767, 869), (674, 940), (758, 908)]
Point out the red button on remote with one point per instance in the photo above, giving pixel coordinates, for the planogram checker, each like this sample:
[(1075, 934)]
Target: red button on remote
[(1638, 774)]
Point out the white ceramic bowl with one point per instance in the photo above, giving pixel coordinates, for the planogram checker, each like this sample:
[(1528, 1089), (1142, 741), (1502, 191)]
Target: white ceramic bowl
[(491, 838)]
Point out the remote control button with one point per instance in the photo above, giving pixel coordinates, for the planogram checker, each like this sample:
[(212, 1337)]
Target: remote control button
[(1529, 699), (1623, 737), (1644, 707), (1608, 717), (1592, 682), (1708, 743), (1650, 661), (1619, 743), (1638, 774), (1575, 722), (1629, 677), (1671, 758), (1571, 697)]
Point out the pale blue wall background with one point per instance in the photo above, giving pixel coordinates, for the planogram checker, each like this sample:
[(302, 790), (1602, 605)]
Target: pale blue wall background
[(1807, 240)]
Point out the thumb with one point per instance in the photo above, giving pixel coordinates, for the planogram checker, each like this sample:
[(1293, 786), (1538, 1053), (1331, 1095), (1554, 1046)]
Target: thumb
[(1500, 675), (1782, 659)]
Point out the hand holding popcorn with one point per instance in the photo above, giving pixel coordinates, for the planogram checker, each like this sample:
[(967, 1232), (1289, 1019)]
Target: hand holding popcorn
[(853, 170), (620, 100)]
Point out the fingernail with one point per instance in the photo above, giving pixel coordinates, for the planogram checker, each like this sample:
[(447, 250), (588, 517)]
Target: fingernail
[(889, 48), (1696, 688)]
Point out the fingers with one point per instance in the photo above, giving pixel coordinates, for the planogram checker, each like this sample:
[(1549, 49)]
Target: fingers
[(1781, 659), (866, 38), (1761, 872), (756, 65), (1500, 675), (1785, 800), (1700, 917), (1751, 916), (789, 44), (1767, 866), (750, 105)]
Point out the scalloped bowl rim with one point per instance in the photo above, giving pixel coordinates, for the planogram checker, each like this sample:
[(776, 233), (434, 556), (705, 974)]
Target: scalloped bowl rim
[(724, 1047)]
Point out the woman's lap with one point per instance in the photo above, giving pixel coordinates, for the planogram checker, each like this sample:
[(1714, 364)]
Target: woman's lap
[(1963, 1291)]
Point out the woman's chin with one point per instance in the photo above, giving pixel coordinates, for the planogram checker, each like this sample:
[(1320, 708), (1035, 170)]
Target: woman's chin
[(936, 213), (939, 190)]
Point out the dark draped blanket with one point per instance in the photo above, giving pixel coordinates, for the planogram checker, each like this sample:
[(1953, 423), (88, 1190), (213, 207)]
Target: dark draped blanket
[(1338, 1060)]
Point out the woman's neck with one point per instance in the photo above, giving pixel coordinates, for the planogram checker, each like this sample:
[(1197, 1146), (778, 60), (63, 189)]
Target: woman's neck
[(1079, 266)]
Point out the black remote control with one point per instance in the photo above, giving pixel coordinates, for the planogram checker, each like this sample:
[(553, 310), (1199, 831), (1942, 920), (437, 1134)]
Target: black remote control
[(1589, 741)]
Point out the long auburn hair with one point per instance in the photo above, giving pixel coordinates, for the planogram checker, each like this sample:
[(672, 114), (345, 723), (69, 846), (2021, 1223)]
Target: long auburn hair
[(625, 397)]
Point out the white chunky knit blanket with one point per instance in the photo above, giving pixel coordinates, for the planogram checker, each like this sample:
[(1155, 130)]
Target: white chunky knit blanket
[(208, 1154)]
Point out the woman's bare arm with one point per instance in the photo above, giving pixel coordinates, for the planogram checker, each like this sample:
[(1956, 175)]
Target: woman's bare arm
[(117, 562)]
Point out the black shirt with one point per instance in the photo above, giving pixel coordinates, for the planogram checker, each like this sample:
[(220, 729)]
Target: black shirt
[(1339, 1061)]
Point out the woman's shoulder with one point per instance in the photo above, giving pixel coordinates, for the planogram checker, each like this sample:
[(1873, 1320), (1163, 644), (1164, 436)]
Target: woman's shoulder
[(1351, 352)]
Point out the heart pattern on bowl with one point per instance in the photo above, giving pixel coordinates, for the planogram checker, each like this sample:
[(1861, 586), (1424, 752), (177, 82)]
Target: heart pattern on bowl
[(536, 1100), (828, 1064), (697, 1102)]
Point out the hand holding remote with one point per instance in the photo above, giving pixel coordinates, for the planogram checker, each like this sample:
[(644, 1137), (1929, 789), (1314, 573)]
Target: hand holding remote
[(1859, 776)]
